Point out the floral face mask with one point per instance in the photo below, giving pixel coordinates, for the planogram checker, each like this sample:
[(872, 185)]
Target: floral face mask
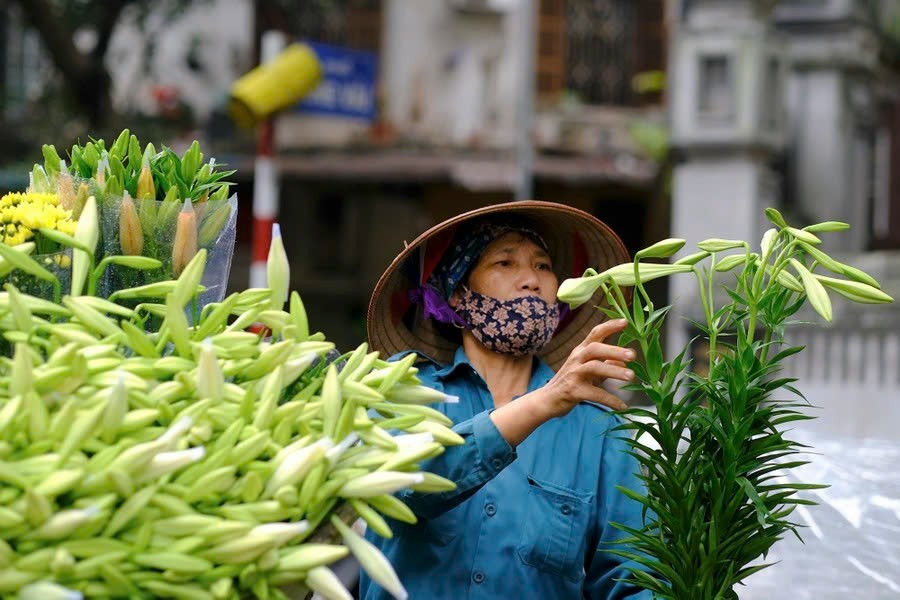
[(517, 327)]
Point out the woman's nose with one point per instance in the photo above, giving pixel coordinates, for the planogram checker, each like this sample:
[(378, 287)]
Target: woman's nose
[(529, 281)]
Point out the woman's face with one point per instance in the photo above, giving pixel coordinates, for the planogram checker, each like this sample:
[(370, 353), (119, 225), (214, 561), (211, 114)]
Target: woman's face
[(513, 266)]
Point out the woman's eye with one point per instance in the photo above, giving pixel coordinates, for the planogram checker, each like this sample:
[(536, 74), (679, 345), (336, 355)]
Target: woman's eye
[(544, 266), (502, 263)]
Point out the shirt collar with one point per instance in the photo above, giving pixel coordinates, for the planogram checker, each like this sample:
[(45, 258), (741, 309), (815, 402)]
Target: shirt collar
[(541, 373)]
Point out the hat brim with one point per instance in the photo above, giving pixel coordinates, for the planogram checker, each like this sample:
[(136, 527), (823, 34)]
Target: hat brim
[(575, 239)]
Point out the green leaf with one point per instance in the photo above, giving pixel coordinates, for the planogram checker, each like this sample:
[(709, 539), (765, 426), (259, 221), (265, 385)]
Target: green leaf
[(52, 162), (63, 239), (25, 263), (119, 149)]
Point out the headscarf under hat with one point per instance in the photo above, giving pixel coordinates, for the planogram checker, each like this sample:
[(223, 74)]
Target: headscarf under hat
[(459, 259)]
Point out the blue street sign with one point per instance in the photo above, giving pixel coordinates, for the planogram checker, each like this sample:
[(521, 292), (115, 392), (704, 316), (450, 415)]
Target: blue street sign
[(348, 83)]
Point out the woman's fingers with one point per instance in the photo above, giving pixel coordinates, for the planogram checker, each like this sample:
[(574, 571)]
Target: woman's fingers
[(606, 370), (603, 352), (604, 330), (601, 396)]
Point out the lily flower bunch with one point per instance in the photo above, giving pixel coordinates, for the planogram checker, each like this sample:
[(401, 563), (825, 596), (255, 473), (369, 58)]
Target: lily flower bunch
[(152, 204), (713, 448)]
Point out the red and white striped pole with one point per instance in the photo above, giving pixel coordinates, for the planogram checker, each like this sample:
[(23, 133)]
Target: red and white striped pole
[(265, 178)]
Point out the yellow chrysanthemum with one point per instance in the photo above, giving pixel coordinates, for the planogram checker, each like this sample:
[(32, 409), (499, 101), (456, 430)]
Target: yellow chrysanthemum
[(21, 213)]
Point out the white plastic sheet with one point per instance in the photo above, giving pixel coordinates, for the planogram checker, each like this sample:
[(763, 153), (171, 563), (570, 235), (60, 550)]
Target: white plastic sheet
[(852, 538)]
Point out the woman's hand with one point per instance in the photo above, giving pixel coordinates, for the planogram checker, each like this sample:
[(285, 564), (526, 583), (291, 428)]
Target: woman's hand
[(589, 364)]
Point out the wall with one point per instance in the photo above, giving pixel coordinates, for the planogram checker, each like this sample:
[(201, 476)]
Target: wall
[(217, 35), (451, 75)]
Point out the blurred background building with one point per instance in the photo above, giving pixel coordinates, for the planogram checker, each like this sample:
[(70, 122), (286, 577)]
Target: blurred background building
[(660, 117), (437, 133)]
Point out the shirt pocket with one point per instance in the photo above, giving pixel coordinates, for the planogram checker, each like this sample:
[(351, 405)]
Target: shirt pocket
[(443, 529), (555, 529)]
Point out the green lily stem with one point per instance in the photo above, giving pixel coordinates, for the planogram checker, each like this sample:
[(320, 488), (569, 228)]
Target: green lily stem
[(96, 274), (711, 311), (195, 309), (704, 298), (640, 285), (780, 263), (612, 300)]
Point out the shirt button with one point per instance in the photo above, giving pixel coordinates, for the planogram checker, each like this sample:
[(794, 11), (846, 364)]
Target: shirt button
[(497, 464), (478, 577), (566, 509), (491, 510)]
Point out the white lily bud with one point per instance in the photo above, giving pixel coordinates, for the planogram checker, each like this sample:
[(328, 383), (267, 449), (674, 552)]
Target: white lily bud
[(404, 393), (719, 245), (854, 290), (827, 226), (441, 433), (578, 290), (730, 262), (662, 249), (372, 560), (325, 582), (295, 367), (45, 590), (804, 236), (282, 533), (334, 454), (64, 523), (175, 431), (168, 462), (22, 370), (296, 466), (692, 259), (290, 449), (210, 381), (309, 556), (278, 270), (116, 408), (382, 482), (765, 245), (815, 291), (413, 440), (623, 274)]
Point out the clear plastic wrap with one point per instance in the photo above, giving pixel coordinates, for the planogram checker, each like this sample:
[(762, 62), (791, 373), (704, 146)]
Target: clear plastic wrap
[(57, 263), (172, 233)]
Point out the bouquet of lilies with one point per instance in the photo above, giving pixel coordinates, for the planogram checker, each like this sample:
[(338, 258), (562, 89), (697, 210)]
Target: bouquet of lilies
[(152, 204)]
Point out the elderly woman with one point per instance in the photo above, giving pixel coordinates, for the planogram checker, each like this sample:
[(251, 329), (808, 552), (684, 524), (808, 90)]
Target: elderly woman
[(475, 298)]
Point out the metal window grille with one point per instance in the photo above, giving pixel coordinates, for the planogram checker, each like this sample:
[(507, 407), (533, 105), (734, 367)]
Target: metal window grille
[(601, 41)]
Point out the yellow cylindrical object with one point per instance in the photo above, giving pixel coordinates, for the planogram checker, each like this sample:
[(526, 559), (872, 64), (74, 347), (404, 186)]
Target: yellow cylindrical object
[(275, 85)]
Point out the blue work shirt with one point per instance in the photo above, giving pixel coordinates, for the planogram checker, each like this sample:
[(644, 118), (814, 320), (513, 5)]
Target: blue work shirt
[(525, 522)]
